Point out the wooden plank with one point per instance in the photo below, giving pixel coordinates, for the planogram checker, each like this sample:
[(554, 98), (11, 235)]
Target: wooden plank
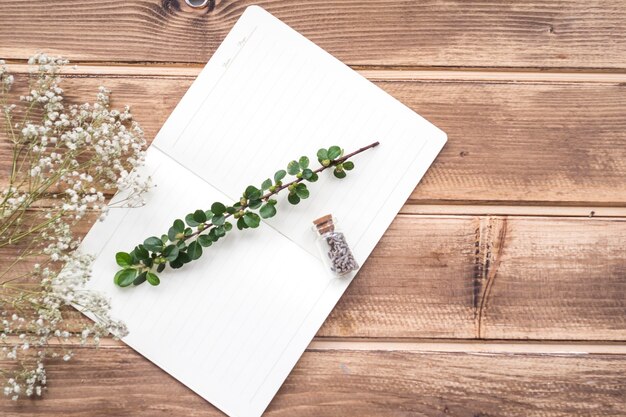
[(116, 381), (489, 277), (565, 265), (510, 143), (439, 33)]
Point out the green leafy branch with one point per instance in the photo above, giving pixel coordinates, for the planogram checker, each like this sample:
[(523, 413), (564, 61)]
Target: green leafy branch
[(186, 240)]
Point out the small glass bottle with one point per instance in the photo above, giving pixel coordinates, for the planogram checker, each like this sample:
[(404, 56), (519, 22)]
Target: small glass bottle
[(334, 250)]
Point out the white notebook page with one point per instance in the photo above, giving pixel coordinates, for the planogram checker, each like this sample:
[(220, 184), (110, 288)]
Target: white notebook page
[(233, 324)]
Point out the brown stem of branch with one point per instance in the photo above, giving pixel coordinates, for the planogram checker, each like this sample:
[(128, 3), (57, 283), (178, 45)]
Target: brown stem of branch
[(267, 195)]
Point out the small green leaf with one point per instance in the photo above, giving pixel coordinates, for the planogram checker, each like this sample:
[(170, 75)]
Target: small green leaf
[(164, 239), (254, 204), (334, 152), (348, 165), (123, 259), (140, 252), (252, 192), (153, 279), (199, 216), (218, 220), (170, 252), (133, 257), (314, 177), (153, 244), (293, 167), (184, 257), (322, 154), (177, 263), (307, 174), (339, 173), (148, 262), (190, 221), (218, 208), (220, 231), (179, 225), (228, 226), (160, 268), (302, 191), (229, 210), (303, 162), (194, 251), (279, 175), (141, 278), (125, 277), (205, 240), (241, 224), (267, 211), (293, 199), (266, 184), (251, 219), (208, 214)]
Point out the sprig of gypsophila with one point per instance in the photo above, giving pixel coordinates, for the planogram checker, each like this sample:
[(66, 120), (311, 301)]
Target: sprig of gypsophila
[(63, 160), (185, 240)]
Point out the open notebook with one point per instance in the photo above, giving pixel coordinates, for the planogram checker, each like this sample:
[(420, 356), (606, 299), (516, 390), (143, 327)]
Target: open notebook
[(232, 325)]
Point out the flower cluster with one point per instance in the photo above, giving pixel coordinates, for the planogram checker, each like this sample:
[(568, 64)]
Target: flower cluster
[(66, 160)]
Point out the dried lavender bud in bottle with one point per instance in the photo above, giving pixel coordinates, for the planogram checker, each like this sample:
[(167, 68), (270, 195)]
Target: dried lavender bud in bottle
[(336, 253), (342, 260)]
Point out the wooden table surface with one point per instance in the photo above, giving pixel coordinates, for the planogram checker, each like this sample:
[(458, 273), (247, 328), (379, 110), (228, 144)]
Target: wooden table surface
[(500, 288)]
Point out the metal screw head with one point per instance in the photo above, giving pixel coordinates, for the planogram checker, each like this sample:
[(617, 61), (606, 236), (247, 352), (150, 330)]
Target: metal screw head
[(197, 4)]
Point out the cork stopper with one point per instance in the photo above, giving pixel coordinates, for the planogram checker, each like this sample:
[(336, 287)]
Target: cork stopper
[(324, 224)]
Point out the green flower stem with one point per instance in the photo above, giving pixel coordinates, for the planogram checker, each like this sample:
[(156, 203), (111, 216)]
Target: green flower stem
[(182, 244)]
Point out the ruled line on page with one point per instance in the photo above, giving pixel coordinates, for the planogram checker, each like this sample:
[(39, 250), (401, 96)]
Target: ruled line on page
[(241, 45)]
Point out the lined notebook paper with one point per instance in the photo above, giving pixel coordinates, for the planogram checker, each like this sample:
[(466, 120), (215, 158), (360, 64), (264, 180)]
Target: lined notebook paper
[(232, 325)]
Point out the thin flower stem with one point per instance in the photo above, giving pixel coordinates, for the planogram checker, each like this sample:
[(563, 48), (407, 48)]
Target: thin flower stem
[(42, 225)]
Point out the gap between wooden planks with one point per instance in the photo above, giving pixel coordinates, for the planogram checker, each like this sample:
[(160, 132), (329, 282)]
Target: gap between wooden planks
[(374, 74), (416, 345), (451, 208)]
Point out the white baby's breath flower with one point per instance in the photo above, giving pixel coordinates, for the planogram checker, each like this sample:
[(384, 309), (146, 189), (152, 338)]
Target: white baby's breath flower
[(81, 153)]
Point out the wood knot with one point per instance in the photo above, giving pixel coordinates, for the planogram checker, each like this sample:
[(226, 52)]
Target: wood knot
[(209, 5)]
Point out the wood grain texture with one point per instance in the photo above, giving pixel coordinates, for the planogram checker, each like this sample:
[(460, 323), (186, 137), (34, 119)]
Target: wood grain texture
[(508, 143), (118, 382), (441, 33), (492, 278), (467, 277), (439, 319)]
